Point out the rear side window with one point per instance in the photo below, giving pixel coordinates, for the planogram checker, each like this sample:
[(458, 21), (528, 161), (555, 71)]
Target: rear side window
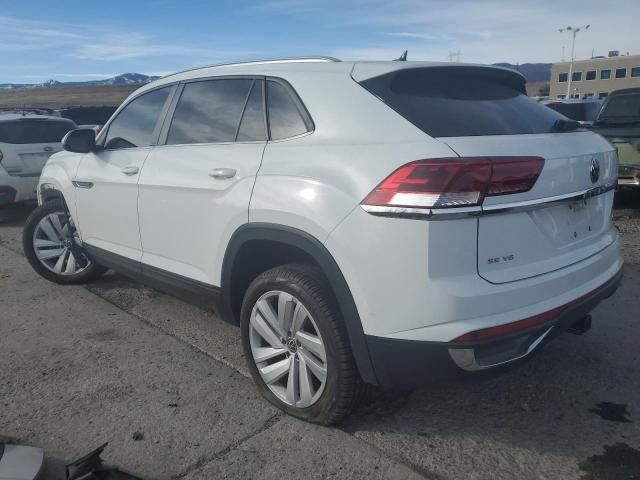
[(462, 101), (209, 111), (34, 131), (253, 123), (136, 122), (287, 116)]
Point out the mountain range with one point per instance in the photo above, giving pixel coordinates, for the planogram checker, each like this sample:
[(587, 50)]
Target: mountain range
[(533, 72), (124, 79)]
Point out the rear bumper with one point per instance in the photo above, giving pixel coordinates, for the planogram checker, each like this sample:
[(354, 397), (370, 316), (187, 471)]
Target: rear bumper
[(406, 364)]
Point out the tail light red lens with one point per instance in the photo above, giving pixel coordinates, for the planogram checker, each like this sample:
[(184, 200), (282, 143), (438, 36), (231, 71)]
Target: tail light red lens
[(455, 182)]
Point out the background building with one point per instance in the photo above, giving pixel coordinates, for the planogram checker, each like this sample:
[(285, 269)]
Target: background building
[(596, 77)]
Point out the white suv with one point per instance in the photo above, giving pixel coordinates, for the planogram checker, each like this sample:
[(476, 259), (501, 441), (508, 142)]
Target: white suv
[(385, 222), (28, 137)]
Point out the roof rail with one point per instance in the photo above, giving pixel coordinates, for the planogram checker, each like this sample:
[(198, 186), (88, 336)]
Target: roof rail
[(258, 62)]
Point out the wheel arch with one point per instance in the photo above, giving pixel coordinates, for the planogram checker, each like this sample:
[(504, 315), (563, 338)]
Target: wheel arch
[(303, 246)]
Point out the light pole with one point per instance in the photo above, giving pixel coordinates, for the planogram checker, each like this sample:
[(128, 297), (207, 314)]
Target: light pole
[(573, 49)]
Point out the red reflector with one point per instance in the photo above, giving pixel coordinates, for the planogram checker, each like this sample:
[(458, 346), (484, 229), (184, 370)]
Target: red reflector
[(455, 182)]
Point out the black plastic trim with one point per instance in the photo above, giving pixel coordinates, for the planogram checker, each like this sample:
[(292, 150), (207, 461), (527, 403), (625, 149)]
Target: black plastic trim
[(182, 287), (7, 195), (313, 247)]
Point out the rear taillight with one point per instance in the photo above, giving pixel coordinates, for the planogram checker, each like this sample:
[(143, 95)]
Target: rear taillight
[(455, 182)]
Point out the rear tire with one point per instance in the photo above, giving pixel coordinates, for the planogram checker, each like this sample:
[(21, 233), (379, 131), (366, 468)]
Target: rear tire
[(49, 244), (305, 366)]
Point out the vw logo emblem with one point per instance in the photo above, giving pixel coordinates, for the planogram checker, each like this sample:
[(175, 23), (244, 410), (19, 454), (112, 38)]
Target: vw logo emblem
[(47, 149), (594, 171)]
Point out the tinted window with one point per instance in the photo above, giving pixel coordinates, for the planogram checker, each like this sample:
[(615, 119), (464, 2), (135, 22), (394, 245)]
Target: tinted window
[(622, 107), (285, 114), (252, 125), (209, 111), (574, 111), (621, 72), (591, 75), (34, 131), (576, 76), (563, 77), (462, 101), (605, 74), (134, 125), (603, 94), (635, 72)]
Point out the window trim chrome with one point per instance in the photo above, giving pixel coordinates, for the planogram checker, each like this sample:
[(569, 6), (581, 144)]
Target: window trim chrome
[(478, 211)]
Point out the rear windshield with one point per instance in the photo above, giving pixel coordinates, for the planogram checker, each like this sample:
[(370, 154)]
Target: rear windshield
[(34, 131), (574, 111), (460, 101), (622, 107)]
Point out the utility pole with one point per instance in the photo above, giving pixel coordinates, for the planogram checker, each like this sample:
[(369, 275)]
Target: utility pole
[(574, 31)]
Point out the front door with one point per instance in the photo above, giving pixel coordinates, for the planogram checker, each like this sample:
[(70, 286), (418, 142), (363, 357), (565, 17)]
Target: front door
[(107, 180)]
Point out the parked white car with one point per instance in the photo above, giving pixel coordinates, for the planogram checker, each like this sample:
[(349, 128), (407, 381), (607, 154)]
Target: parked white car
[(383, 222), (28, 137)]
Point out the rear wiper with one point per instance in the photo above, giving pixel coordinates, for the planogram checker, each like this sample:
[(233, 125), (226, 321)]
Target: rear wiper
[(561, 126)]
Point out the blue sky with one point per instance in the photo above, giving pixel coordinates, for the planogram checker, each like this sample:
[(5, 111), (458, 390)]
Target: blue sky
[(74, 40)]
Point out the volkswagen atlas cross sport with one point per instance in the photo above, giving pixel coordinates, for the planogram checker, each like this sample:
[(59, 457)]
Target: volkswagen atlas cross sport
[(375, 223), (28, 137)]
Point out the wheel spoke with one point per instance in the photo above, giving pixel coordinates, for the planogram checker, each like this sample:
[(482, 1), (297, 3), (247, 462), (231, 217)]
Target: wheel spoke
[(55, 222), (293, 382), (262, 354), (50, 253), (261, 327), (266, 311), (299, 316), (71, 264), (312, 364), (306, 388), (286, 306), (48, 230), (312, 343), (59, 264), (274, 372), (41, 243)]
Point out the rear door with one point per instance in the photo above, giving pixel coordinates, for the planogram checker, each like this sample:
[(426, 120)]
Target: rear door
[(195, 189), (26, 144), (484, 112)]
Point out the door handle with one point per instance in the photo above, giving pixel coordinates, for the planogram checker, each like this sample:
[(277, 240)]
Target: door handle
[(131, 170), (223, 173)]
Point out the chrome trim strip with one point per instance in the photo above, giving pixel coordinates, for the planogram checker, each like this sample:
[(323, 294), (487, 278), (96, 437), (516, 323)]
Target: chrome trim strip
[(465, 212), (78, 184)]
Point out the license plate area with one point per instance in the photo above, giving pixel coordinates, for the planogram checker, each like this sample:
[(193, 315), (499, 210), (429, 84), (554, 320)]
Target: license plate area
[(581, 219)]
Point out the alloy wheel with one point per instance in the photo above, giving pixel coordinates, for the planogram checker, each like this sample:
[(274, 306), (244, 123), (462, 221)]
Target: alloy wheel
[(56, 245), (287, 349)]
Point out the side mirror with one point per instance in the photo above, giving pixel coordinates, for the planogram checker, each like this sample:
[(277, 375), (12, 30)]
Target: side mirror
[(81, 140)]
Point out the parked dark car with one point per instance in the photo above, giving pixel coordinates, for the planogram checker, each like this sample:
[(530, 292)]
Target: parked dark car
[(619, 122), (584, 111)]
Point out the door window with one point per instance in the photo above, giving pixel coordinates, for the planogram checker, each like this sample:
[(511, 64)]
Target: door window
[(136, 122), (209, 111), (252, 125)]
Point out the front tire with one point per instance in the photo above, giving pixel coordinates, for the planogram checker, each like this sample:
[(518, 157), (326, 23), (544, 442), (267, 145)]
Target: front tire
[(53, 249), (296, 345)]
